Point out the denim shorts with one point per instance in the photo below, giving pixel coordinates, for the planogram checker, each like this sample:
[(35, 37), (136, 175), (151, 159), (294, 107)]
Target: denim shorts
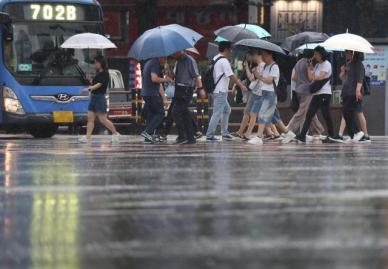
[(268, 113), (276, 117), (98, 104), (249, 104), (257, 102)]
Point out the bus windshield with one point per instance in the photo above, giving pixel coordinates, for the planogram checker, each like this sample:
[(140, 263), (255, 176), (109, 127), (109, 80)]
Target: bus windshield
[(35, 56)]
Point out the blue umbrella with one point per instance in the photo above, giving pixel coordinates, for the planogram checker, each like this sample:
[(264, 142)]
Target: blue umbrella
[(163, 41)]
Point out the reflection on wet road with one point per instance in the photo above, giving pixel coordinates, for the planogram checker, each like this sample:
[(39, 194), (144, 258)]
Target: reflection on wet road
[(131, 205)]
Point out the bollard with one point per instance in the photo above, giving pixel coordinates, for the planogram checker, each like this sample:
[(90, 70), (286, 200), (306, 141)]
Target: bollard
[(202, 115)]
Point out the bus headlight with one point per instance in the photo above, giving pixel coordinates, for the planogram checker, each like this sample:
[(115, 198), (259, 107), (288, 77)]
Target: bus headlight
[(11, 102)]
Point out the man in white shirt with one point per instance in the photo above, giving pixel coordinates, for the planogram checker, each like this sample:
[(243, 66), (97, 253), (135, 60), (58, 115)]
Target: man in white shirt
[(222, 74)]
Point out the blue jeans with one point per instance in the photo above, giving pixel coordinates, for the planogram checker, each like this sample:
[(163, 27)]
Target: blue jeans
[(268, 112), (155, 112), (221, 111)]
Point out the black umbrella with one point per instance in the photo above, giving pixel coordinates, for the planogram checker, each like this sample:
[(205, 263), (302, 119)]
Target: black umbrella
[(234, 33), (295, 41), (259, 44)]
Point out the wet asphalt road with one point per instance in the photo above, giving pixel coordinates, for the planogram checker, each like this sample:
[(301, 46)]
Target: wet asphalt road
[(69, 206)]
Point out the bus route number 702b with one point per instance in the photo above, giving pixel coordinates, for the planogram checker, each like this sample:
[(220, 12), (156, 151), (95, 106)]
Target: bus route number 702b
[(49, 12)]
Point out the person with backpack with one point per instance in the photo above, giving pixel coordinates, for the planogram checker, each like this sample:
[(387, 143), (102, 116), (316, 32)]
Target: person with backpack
[(217, 78), (268, 112), (320, 76)]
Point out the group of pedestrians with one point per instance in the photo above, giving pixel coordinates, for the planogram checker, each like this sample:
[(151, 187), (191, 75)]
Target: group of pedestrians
[(313, 90), (311, 81), (312, 77), (186, 79)]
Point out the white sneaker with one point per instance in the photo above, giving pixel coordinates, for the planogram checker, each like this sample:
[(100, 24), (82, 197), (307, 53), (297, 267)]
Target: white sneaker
[(116, 138), (83, 139), (357, 137), (288, 137), (309, 138), (256, 141)]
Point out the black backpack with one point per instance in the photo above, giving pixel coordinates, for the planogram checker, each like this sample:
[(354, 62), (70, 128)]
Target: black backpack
[(207, 76), (281, 88)]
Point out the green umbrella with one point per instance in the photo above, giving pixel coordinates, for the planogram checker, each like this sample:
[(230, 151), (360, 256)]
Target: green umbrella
[(257, 30)]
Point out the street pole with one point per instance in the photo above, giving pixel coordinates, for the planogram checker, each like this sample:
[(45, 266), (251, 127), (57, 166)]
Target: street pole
[(386, 103)]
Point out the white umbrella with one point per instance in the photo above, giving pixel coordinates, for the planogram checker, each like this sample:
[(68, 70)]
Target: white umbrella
[(351, 42), (88, 41)]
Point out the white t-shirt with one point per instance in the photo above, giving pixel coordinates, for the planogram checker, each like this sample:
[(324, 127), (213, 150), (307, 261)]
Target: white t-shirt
[(270, 70), (323, 67), (222, 67), (256, 87)]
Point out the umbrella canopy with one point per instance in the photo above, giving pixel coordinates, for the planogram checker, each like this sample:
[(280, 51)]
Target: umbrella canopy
[(212, 50), (312, 46), (163, 41), (259, 31), (351, 42), (193, 50), (293, 42), (260, 44), (88, 41), (235, 33)]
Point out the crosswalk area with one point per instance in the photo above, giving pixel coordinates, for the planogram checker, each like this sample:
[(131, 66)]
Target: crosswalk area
[(208, 205)]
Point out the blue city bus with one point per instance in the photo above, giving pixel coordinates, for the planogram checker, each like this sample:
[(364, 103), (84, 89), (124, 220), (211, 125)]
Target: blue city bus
[(41, 83)]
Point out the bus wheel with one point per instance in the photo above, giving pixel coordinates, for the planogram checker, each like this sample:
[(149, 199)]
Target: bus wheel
[(43, 131)]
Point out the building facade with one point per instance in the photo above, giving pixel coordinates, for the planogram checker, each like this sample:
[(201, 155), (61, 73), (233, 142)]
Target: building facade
[(125, 20)]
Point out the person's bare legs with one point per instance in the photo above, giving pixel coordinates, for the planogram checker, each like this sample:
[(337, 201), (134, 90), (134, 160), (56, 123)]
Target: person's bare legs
[(269, 132), (342, 127), (282, 128), (363, 124), (280, 125), (90, 125), (107, 123), (252, 124), (244, 124), (275, 130), (260, 130)]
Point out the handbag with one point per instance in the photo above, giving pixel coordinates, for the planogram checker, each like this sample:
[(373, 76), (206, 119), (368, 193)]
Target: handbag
[(317, 85), (170, 91), (253, 85)]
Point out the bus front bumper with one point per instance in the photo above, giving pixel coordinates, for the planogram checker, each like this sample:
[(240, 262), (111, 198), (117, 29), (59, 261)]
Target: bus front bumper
[(10, 119)]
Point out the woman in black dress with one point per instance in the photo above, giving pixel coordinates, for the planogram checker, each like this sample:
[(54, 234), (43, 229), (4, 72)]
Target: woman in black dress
[(98, 106)]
